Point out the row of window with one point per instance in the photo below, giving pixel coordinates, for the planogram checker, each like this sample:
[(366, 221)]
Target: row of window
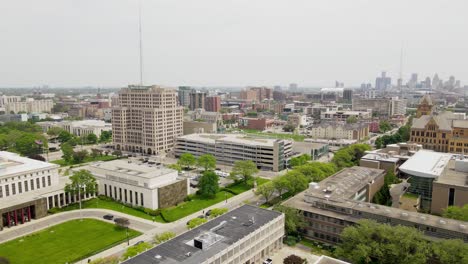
[(24, 176), (28, 185), (128, 196)]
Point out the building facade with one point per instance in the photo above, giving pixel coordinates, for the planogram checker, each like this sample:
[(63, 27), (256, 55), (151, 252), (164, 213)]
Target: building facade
[(147, 120), (213, 104), (29, 106), (197, 100), (183, 93), (268, 154), (336, 130), (78, 128)]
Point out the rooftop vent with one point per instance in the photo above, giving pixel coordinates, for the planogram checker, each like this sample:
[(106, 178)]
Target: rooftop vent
[(205, 240), (188, 254), (442, 222), (404, 214)]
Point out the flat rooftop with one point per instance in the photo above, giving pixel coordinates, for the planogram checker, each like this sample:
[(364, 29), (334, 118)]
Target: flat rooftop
[(380, 157), (452, 177), (426, 164), (131, 168), (344, 183), (12, 164), (218, 233), (230, 138)]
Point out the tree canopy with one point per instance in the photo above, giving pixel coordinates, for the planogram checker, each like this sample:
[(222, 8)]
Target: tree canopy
[(244, 170), (266, 190), (207, 162), (187, 160), (299, 160), (350, 155), (456, 212), (81, 181), (208, 185)]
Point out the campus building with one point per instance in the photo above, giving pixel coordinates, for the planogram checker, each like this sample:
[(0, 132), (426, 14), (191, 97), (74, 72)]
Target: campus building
[(147, 120), (29, 106), (335, 115), (267, 153), (247, 234), (139, 184), (344, 198), (381, 107), (339, 130), (78, 128), (28, 188)]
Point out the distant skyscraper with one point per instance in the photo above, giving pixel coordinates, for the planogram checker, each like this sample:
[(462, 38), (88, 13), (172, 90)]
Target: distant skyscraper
[(184, 95), (414, 78), (293, 87), (427, 82), (383, 82), (147, 120), (277, 88), (197, 100), (348, 95), (435, 81), (213, 104)]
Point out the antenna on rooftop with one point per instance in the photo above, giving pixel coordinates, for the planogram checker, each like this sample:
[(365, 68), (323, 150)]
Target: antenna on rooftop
[(141, 45)]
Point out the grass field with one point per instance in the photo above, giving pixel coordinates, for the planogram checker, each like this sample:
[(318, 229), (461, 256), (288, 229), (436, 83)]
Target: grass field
[(62, 162), (66, 242)]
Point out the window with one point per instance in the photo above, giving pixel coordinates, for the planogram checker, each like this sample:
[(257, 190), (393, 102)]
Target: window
[(1, 192), (7, 190), (49, 182), (13, 189), (105, 189), (32, 184), (141, 199), (20, 187), (26, 186), (43, 182), (38, 184), (451, 196)]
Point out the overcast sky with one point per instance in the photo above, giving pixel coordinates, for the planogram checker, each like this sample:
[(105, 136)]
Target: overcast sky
[(229, 42)]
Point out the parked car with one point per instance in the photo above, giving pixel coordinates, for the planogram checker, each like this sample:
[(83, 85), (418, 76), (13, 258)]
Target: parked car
[(108, 217), (268, 261), (208, 213)]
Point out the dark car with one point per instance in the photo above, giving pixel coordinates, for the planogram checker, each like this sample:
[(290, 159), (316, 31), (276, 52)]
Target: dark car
[(201, 216), (108, 217), (268, 261), (208, 213)]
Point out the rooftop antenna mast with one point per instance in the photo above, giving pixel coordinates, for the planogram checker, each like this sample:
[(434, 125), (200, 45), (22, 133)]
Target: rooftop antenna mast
[(141, 45)]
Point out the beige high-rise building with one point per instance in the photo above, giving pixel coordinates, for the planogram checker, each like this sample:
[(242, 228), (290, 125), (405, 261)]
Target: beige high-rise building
[(148, 119)]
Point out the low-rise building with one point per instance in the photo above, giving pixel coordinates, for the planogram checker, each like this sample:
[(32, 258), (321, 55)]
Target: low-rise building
[(255, 123), (139, 184), (191, 127), (268, 154), (343, 199), (247, 234), (29, 106), (315, 150), (339, 130), (297, 120), (78, 128), (29, 188), (344, 115)]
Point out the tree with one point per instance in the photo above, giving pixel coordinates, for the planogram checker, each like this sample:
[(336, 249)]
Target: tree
[(293, 259), (82, 182), (215, 212), (208, 184), (163, 237), (187, 160), (299, 160), (384, 126), (243, 170), (297, 181), (456, 212), (266, 190), (80, 156), (106, 136), (29, 143), (351, 120), (207, 162), (96, 152), (106, 260), (67, 151), (196, 222), (281, 185), (370, 242), (175, 166), (64, 136), (122, 222), (117, 153), (449, 251), (294, 220), (289, 128), (54, 131), (383, 195), (135, 250), (91, 138)]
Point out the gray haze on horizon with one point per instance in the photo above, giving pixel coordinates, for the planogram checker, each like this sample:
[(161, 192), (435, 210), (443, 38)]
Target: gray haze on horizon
[(230, 42)]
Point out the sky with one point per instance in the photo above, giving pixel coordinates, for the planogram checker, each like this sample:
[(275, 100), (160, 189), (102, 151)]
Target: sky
[(229, 42)]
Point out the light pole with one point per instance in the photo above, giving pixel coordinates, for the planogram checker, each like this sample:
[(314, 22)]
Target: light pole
[(128, 241)]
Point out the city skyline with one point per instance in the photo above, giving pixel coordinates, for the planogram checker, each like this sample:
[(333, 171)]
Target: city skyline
[(212, 43)]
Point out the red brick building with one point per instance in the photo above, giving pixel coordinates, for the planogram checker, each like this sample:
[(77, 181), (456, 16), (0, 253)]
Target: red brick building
[(213, 104)]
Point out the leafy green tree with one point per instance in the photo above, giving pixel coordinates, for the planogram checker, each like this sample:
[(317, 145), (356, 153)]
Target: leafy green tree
[(297, 181), (82, 182), (215, 212), (175, 166), (449, 251), (207, 162), (384, 126), (456, 212), (196, 222), (163, 237), (266, 190), (187, 160), (289, 128), (370, 242), (208, 184), (293, 259), (299, 160), (294, 220), (80, 156), (28, 144), (117, 153), (243, 170), (135, 250), (106, 260), (54, 131), (350, 155), (64, 136), (351, 120), (67, 151), (106, 136), (91, 138), (316, 171), (281, 184)]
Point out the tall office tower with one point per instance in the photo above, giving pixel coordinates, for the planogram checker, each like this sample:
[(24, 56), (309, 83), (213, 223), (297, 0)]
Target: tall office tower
[(277, 88), (184, 95), (213, 104), (197, 100), (293, 87), (348, 95), (383, 82), (147, 120), (414, 78), (435, 82)]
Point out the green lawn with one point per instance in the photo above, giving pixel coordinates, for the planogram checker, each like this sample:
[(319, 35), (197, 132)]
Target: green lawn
[(66, 242), (62, 162), (241, 187), (316, 247), (111, 205)]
